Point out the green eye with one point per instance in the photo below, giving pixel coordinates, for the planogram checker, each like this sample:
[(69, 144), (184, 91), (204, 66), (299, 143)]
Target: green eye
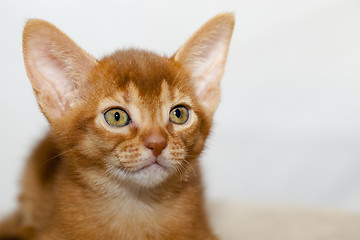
[(179, 115), (117, 117)]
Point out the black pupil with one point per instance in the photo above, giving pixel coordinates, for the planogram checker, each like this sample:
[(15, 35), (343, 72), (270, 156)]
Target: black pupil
[(117, 116), (178, 113)]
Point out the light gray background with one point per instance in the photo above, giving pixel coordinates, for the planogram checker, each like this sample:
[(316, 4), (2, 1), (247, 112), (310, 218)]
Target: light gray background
[(288, 128)]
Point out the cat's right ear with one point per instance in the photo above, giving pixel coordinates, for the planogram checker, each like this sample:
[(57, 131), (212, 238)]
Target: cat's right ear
[(55, 65), (204, 56)]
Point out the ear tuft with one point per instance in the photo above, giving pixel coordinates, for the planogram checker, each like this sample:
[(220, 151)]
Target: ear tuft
[(55, 65), (204, 56)]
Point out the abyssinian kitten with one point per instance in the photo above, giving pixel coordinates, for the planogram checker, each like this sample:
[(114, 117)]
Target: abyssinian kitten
[(121, 159)]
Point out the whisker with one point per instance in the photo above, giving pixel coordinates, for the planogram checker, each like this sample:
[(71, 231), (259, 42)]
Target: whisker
[(193, 170), (179, 172), (56, 156), (181, 165)]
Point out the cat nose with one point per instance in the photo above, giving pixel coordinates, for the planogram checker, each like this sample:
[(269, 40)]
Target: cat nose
[(156, 142)]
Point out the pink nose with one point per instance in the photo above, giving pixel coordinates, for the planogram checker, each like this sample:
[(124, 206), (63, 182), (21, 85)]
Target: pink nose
[(156, 142)]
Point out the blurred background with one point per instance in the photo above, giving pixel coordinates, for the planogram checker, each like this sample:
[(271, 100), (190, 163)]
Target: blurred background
[(287, 131)]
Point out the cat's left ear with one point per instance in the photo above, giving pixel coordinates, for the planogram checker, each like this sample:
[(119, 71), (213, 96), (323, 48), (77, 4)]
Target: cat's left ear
[(204, 56), (56, 67)]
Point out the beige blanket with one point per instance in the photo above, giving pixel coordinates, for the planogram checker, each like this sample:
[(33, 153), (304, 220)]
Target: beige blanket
[(244, 222)]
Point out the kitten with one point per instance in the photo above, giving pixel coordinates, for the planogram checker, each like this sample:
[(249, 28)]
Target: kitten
[(121, 159)]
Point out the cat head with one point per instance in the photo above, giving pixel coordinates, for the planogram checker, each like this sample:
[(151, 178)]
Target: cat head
[(134, 116)]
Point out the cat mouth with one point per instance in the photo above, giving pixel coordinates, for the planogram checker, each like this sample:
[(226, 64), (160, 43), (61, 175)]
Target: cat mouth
[(150, 164), (151, 167), (147, 165)]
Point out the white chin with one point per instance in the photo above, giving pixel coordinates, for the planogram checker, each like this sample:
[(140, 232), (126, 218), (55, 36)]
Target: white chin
[(149, 176)]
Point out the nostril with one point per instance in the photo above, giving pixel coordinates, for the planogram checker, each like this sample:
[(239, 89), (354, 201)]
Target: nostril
[(156, 143)]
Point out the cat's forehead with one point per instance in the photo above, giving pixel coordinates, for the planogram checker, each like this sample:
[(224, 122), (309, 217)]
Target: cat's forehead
[(143, 74)]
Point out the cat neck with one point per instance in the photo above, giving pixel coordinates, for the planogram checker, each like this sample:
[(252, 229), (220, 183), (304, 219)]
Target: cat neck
[(117, 206)]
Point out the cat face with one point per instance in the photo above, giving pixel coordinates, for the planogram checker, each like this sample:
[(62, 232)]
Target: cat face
[(133, 116), (142, 120)]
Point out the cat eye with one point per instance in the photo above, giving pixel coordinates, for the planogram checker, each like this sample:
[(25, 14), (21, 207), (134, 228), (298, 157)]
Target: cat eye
[(179, 115), (117, 117)]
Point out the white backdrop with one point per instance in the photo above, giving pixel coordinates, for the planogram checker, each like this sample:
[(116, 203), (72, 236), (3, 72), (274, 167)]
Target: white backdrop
[(288, 128)]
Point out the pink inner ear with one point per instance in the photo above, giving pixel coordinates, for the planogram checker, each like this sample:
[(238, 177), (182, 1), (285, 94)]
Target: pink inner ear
[(208, 68), (206, 61), (50, 78)]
